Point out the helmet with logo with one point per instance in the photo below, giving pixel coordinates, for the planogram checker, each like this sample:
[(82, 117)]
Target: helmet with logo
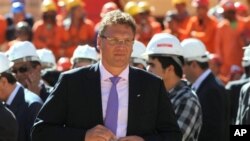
[(73, 3), (164, 44), (132, 8), (5, 63), (47, 58), (85, 52), (194, 50), (227, 5), (107, 7), (138, 50), (48, 5), (246, 57), (22, 51)]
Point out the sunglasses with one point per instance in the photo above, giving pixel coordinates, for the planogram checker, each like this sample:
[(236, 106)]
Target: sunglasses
[(21, 69)]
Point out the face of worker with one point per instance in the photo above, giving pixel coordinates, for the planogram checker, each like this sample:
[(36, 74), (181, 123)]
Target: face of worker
[(155, 67), (24, 72), (116, 46)]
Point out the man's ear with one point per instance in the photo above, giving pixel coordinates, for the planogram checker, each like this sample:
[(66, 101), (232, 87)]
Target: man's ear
[(98, 43)]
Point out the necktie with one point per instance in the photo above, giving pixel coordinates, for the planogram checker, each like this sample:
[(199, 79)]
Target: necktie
[(112, 106)]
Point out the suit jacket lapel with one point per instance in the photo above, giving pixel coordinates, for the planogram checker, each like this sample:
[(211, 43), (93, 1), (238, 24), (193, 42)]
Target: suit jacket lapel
[(94, 81), (17, 101)]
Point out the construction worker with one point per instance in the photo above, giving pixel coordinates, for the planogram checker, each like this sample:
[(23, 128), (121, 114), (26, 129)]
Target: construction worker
[(16, 15), (49, 73), (230, 37), (23, 32), (166, 61), (233, 87), (27, 68), (203, 26), (183, 19), (210, 90), (107, 7), (147, 25), (137, 58), (47, 33), (23, 103), (79, 28), (84, 55)]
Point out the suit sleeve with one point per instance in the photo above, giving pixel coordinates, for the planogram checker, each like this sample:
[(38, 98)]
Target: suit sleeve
[(50, 122), (166, 124)]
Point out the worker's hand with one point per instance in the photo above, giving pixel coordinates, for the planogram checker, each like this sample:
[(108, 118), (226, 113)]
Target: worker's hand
[(131, 138), (99, 133), (32, 82)]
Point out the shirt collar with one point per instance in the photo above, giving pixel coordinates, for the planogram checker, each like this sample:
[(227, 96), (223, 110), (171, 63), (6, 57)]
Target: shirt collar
[(198, 81), (105, 75), (13, 94)]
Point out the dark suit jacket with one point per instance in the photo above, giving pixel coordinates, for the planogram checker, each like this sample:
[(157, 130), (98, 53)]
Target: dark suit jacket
[(233, 89), (212, 96), (25, 106), (75, 106), (8, 124)]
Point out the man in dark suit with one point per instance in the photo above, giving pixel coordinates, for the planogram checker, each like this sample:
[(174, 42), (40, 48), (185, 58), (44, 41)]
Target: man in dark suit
[(23, 103), (8, 124), (233, 87), (211, 92), (78, 108)]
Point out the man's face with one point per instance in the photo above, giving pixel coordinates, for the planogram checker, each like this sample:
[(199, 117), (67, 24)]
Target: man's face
[(188, 71), (116, 46), (155, 67), (25, 73)]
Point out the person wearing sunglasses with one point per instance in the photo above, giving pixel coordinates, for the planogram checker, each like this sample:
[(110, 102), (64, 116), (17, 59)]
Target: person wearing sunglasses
[(23, 103), (109, 100), (27, 68)]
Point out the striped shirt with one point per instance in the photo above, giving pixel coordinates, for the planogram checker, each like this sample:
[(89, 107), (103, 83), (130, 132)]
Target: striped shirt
[(187, 109)]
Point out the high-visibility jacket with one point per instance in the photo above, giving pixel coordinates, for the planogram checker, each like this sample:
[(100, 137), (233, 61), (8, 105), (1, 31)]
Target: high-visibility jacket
[(228, 44), (84, 34), (205, 31), (3, 28), (53, 37)]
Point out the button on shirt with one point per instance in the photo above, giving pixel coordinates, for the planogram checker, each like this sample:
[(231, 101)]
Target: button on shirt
[(122, 89)]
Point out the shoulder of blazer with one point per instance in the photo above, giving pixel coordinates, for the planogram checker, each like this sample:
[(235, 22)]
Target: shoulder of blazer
[(142, 75)]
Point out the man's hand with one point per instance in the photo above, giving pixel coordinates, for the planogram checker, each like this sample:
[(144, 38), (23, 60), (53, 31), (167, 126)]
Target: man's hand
[(99, 133), (131, 138)]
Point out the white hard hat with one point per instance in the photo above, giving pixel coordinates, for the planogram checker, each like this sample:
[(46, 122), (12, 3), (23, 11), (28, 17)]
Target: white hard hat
[(246, 57), (5, 63), (138, 50), (84, 51), (22, 51), (47, 58), (165, 44), (194, 49)]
